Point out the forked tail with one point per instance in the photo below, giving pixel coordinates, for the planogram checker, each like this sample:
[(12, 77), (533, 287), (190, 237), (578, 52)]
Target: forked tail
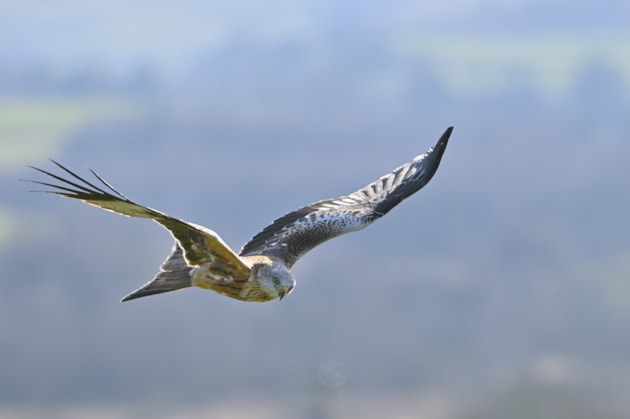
[(174, 274)]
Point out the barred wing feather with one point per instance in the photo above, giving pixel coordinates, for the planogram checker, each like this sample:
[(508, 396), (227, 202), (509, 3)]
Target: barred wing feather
[(292, 235)]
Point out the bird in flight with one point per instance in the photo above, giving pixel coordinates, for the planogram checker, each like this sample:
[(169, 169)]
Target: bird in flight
[(261, 270)]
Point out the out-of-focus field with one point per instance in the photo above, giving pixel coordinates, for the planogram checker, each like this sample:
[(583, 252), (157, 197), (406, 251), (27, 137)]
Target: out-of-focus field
[(485, 64), (32, 129), (432, 406)]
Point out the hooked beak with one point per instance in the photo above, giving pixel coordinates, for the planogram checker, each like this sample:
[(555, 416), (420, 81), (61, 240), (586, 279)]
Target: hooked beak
[(284, 291)]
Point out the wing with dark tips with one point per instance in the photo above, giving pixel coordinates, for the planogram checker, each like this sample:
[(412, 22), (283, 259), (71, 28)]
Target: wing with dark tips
[(200, 245), (292, 235)]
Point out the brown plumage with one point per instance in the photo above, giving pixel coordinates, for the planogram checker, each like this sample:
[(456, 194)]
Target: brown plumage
[(261, 270)]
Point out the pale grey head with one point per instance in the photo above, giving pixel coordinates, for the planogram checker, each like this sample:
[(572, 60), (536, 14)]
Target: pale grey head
[(274, 279)]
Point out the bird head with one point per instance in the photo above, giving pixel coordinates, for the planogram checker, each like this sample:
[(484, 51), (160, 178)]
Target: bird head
[(275, 279)]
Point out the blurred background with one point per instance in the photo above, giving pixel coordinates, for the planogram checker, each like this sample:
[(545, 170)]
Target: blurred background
[(501, 290)]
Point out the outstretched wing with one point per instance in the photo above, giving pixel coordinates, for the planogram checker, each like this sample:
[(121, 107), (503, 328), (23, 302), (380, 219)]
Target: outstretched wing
[(200, 245), (292, 235)]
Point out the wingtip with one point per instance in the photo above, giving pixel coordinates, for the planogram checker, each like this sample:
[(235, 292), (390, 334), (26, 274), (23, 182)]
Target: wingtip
[(440, 146), (447, 134)]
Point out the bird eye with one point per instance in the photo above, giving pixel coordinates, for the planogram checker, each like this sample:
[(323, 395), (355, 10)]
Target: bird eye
[(276, 280)]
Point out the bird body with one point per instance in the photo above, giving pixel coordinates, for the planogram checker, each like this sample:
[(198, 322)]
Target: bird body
[(255, 287), (261, 270)]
